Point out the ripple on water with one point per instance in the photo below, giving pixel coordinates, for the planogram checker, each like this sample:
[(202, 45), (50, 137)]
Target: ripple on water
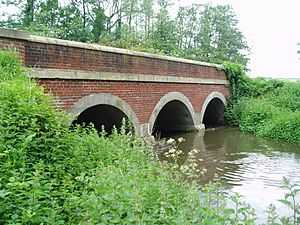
[(251, 166)]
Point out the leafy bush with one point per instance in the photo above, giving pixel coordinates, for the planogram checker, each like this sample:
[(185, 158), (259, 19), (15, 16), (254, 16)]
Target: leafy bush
[(268, 108), (285, 125), (234, 110), (10, 65), (288, 96), (34, 144), (290, 201), (256, 113), (30, 128)]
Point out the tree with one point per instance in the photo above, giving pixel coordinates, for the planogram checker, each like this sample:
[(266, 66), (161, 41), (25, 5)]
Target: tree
[(25, 12), (188, 26), (219, 38), (147, 12), (164, 33)]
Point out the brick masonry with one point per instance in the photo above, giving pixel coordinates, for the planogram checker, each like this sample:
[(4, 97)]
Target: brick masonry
[(47, 53), (61, 57), (142, 97)]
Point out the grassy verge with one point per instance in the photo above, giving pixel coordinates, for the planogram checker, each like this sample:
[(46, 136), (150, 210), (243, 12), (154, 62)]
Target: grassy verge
[(51, 175)]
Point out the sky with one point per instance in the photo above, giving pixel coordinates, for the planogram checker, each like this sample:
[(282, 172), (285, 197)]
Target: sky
[(272, 30)]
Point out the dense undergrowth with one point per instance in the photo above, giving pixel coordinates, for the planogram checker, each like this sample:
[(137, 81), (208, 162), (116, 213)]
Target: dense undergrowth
[(51, 175), (268, 108)]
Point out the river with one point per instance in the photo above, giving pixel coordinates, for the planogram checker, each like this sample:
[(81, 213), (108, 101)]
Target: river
[(251, 166)]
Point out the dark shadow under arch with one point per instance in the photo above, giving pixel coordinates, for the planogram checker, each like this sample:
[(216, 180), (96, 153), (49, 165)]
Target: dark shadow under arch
[(173, 117), (99, 108), (214, 113), (102, 115)]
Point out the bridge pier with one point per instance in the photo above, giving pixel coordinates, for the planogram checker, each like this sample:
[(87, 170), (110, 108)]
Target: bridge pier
[(145, 131)]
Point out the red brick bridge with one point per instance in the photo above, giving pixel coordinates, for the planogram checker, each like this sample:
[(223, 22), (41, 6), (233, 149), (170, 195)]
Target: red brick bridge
[(102, 85)]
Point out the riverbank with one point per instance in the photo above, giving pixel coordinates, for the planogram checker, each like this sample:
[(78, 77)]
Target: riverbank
[(267, 108)]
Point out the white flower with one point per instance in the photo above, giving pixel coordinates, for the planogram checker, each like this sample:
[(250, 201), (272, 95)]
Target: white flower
[(194, 165), (181, 139), (172, 150), (195, 151), (170, 141)]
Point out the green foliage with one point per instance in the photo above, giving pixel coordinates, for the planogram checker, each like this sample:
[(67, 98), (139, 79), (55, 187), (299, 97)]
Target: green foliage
[(240, 89), (10, 65), (234, 110), (268, 108), (283, 125), (32, 137), (235, 75), (28, 120), (51, 175), (243, 86), (219, 38), (274, 115), (287, 96), (256, 113), (290, 201)]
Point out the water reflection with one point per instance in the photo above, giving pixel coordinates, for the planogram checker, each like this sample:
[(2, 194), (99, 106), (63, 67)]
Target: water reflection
[(252, 166)]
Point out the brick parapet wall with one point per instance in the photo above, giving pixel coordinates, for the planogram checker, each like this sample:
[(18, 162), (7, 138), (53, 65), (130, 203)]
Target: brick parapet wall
[(41, 52), (60, 57)]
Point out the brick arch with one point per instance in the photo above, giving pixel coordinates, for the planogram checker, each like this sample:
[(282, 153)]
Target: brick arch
[(171, 96), (105, 99), (208, 99)]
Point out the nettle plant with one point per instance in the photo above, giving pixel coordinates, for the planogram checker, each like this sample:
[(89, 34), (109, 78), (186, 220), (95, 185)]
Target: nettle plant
[(189, 168), (290, 201)]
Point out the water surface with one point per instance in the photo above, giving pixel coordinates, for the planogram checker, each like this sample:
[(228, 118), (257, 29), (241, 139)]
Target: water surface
[(251, 166)]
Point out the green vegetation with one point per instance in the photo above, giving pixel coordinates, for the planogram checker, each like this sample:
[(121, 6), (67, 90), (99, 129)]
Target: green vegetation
[(290, 201), (268, 108), (52, 175), (202, 32)]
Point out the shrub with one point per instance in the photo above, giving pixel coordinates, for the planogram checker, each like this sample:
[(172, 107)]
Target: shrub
[(10, 65), (288, 96), (286, 125), (34, 144), (256, 113), (234, 110), (30, 128), (268, 108)]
